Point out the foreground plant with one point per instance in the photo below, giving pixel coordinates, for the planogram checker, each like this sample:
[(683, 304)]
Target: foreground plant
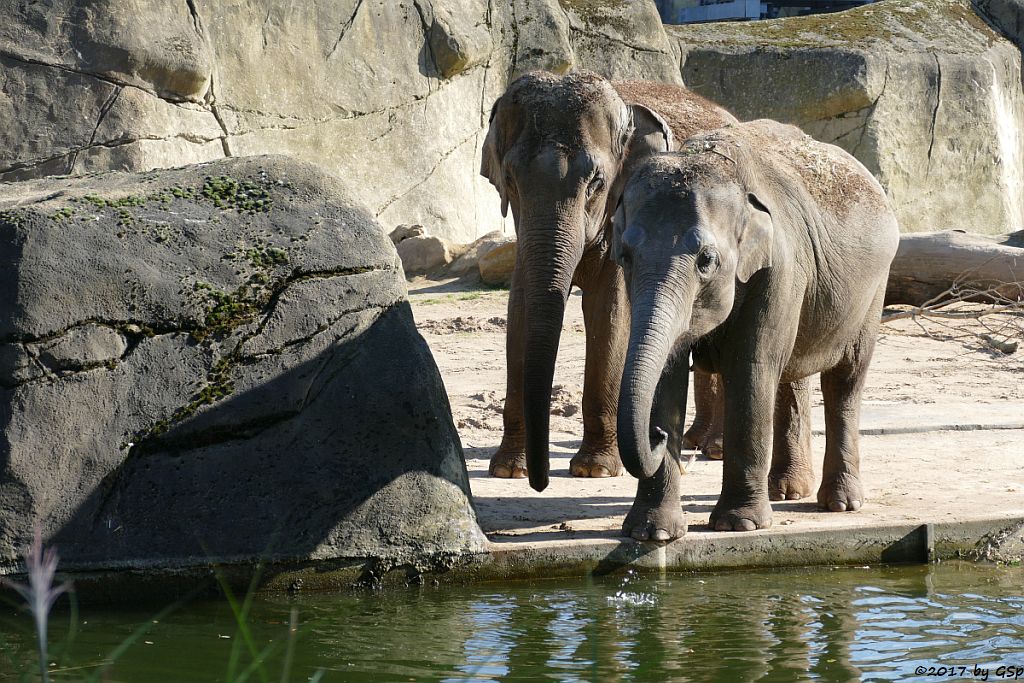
[(40, 593)]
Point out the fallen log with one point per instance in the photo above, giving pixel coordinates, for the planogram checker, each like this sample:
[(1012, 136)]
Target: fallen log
[(935, 268)]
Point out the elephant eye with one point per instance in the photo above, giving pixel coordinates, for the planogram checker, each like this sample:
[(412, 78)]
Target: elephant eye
[(625, 256), (595, 186), (707, 262)]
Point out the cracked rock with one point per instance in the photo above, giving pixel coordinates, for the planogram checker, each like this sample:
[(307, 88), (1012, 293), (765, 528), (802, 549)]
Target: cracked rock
[(16, 365), (82, 347), (230, 354), (392, 96)]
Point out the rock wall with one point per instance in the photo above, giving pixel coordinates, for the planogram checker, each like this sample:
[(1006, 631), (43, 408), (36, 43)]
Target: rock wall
[(391, 95), (217, 364), (394, 95), (924, 92)]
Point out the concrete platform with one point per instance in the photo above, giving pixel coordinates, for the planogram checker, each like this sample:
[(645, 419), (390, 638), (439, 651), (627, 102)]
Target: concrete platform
[(957, 506), (942, 448)]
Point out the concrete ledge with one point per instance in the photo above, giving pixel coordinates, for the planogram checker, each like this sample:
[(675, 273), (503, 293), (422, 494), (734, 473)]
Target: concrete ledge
[(995, 538)]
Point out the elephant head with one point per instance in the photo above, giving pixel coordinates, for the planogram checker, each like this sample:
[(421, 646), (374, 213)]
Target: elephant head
[(689, 231), (555, 151)]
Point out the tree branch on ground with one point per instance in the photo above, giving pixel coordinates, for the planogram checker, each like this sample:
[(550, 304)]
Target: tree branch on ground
[(971, 286)]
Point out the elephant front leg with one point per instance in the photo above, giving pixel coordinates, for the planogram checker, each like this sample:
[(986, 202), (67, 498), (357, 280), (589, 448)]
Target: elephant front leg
[(509, 461), (792, 474), (749, 407), (657, 514), (606, 320)]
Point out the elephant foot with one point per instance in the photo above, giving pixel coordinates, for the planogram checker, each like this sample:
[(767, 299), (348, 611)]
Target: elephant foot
[(841, 493), (749, 516), (508, 463), (657, 514), (694, 437), (596, 462), (790, 485), (712, 446)]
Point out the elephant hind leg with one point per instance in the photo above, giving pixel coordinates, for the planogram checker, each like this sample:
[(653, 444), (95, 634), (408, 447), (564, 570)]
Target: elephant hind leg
[(605, 317), (842, 388), (792, 474), (708, 423)]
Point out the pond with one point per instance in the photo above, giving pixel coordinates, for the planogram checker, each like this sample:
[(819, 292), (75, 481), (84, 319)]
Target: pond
[(838, 624)]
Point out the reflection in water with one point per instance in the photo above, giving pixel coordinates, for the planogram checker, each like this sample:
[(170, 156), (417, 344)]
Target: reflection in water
[(833, 625)]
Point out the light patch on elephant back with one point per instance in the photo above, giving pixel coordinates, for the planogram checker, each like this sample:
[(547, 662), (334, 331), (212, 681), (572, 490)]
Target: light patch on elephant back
[(686, 112), (834, 179)]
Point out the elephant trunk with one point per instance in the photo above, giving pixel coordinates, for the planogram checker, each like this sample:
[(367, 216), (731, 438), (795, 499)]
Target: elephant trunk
[(643, 445), (550, 256)]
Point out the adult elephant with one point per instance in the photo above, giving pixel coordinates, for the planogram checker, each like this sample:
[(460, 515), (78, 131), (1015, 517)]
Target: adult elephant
[(558, 150), (765, 254)]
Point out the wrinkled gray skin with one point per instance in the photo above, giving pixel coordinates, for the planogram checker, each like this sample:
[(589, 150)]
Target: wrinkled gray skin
[(558, 149), (765, 254)]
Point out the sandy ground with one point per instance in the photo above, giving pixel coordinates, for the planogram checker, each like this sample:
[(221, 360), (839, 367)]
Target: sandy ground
[(943, 426)]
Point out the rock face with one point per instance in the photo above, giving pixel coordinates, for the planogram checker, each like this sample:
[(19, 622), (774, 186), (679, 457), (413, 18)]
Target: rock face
[(214, 364), (391, 95), (923, 92), (394, 95)]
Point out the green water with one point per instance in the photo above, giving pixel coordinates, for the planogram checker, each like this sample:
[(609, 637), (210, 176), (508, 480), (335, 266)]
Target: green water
[(816, 624)]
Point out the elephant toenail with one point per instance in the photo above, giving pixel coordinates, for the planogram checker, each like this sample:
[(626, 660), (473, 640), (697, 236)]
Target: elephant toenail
[(837, 506), (745, 525), (519, 473), (501, 472), (660, 535), (600, 471)]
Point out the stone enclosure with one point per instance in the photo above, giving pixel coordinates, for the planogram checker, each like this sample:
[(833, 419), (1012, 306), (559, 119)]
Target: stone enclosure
[(177, 346)]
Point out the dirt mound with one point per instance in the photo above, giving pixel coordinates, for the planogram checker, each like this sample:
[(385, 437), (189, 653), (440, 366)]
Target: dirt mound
[(466, 324)]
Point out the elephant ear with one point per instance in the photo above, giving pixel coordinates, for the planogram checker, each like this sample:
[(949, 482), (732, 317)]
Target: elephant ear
[(651, 133), (645, 133), (754, 246), (491, 156)]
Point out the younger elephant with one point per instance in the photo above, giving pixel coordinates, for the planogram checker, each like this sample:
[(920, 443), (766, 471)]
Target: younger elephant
[(765, 254)]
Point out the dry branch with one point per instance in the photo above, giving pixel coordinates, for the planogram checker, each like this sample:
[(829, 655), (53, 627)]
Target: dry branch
[(955, 276)]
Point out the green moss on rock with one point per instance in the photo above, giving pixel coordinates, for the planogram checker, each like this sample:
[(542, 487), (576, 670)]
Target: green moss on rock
[(241, 195)]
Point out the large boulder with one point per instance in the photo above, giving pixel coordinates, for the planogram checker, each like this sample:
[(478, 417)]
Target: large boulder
[(497, 263), (215, 364), (923, 92), (392, 95)]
